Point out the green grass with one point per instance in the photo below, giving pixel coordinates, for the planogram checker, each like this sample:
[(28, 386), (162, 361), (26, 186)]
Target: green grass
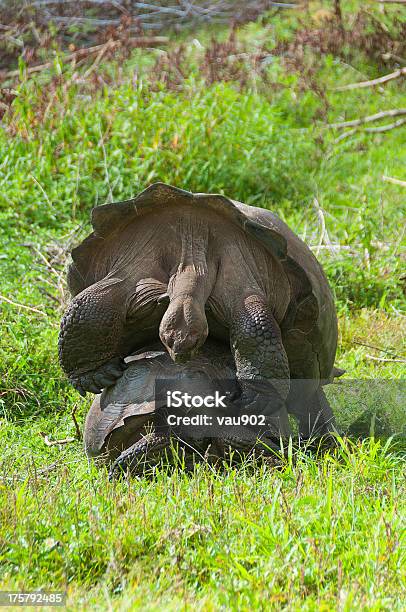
[(316, 533), (312, 534)]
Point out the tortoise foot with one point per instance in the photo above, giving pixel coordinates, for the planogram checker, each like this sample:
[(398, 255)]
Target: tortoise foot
[(96, 380), (141, 455)]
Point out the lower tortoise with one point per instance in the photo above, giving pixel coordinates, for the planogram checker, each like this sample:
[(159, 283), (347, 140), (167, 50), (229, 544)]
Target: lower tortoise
[(127, 425)]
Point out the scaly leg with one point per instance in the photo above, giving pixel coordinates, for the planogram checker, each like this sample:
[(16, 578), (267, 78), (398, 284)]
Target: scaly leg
[(261, 361), (144, 452), (89, 337), (148, 451)]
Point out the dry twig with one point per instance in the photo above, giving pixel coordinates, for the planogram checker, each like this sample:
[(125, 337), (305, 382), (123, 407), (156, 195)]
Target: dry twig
[(60, 283), (324, 237), (48, 468), (385, 359), (31, 308), (371, 130), (49, 442), (395, 112), (345, 135), (377, 348), (395, 181), (386, 127), (86, 51), (77, 428), (384, 79)]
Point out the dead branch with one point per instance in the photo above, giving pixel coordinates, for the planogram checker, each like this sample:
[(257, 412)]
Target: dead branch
[(395, 112), (383, 128), (399, 242), (49, 442), (182, 9), (384, 359), (387, 56), (391, 1), (336, 247), (396, 311), (354, 250), (59, 283), (387, 127), (48, 468), (152, 15), (324, 237), (345, 135), (47, 263), (377, 348), (77, 428), (49, 295), (31, 308), (384, 79), (86, 51), (96, 62), (395, 181)]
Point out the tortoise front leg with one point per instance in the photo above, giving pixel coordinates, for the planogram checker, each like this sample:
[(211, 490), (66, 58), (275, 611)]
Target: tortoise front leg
[(146, 451), (261, 362), (90, 334)]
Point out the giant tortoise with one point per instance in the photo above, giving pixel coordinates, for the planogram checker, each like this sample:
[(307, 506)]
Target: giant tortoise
[(177, 266), (127, 427)]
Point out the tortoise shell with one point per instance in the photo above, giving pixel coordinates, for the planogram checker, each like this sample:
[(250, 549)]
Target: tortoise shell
[(310, 319)]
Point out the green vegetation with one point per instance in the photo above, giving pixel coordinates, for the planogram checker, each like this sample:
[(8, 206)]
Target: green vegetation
[(322, 532), (316, 533)]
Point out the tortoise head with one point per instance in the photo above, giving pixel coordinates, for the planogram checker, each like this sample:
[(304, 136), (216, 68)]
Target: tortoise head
[(183, 329)]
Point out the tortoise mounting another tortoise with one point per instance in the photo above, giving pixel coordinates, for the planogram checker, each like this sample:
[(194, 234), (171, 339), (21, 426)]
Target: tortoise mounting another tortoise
[(186, 265)]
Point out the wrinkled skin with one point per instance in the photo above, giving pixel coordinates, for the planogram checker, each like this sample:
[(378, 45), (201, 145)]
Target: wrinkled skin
[(183, 267)]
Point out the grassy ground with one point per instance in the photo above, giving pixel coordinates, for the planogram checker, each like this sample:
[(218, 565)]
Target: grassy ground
[(316, 533)]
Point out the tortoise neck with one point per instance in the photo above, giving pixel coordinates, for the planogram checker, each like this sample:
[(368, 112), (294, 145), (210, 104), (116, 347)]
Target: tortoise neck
[(191, 281), (194, 237), (183, 329), (195, 275)]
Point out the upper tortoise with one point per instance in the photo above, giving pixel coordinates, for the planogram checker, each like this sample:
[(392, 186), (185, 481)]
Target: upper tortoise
[(186, 265)]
